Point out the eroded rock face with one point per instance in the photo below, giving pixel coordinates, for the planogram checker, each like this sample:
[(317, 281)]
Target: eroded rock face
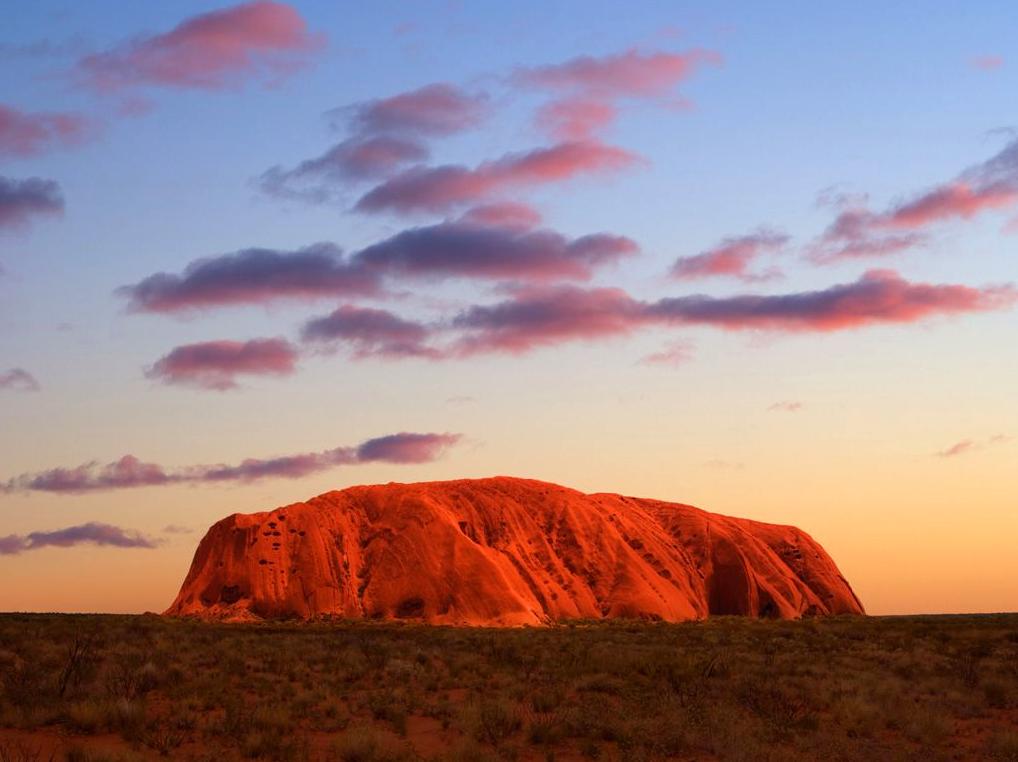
[(504, 551)]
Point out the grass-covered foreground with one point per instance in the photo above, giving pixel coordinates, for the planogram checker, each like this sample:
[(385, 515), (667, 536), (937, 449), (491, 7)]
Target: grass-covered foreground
[(122, 688)]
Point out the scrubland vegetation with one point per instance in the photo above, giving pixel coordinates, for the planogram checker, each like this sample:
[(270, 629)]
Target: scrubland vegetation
[(94, 688)]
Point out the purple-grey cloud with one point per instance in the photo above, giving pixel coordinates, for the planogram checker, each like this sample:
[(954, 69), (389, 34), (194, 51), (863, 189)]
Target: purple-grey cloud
[(129, 471), (435, 110), (536, 317), (21, 200), (370, 333), (458, 249), (384, 136), (252, 276), (548, 315), (19, 379), (317, 180), (92, 533), (405, 447), (879, 296)]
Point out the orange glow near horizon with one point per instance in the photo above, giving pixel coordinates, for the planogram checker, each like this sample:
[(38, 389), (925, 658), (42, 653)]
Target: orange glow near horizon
[(254, 251)]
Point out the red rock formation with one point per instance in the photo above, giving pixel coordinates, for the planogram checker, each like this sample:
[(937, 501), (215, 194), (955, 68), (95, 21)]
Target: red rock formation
[(504, 551)]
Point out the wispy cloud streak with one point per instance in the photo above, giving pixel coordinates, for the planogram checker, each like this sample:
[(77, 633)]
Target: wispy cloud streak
[(25, 134), (129, 471), (537, 317), (19, 379), (857, 231), (733, 257), (384, 136), (92, 533), (971, 445), (442, 188), (588, 89)]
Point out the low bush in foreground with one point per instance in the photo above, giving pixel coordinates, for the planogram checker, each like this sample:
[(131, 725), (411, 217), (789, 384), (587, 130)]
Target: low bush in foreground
[(95, 688)]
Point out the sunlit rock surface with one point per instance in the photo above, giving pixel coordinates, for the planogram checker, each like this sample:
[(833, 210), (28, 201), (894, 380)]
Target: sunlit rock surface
[(504, 551)]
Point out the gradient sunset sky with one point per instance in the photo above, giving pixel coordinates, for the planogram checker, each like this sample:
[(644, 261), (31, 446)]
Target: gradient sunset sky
[(756, 259)]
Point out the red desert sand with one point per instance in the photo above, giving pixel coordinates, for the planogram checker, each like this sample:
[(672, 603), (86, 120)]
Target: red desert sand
[(503, 552)]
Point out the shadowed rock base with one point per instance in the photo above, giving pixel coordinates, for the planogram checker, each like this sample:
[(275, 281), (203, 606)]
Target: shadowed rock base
[(504, 551)]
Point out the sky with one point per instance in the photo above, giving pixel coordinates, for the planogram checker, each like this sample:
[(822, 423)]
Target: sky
[(758, 260)]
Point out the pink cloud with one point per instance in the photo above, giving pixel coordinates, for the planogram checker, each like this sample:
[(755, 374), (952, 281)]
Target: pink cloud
[(24, 134), (971, 445), (957, 448), (217, 364), (732, 257), (18, 379), (856, 233), (130, 472), (625, 75), (575, 118), (437, 189), (787, 406), (674, 355), (21, 200), (957, 199), (504, 214), (215, 50), (988, 62), (587, 88)]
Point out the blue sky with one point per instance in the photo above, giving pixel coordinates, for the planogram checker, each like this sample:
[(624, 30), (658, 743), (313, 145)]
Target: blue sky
[(862, 99)]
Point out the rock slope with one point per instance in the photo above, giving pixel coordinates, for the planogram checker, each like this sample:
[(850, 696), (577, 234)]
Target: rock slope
[(504, 551)]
